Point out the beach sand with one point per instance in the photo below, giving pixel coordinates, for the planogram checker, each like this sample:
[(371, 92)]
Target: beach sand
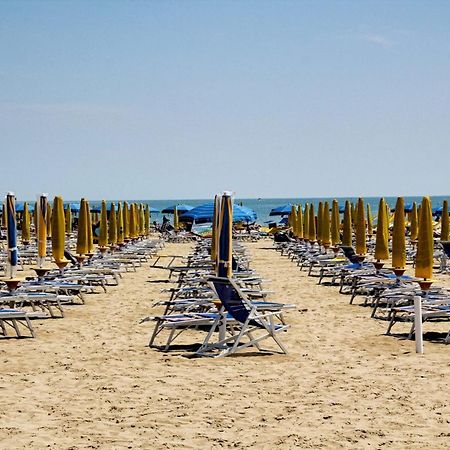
[(90, 381)]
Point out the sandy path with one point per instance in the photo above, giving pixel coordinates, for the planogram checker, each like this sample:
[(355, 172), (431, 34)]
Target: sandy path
[(90, 381)]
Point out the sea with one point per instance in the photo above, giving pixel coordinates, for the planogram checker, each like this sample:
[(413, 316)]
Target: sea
[(263, 206)]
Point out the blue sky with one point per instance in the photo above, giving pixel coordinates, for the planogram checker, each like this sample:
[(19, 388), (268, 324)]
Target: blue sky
[(183, 99)]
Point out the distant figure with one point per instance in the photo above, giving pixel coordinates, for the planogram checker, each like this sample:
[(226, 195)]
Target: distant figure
[(165, 223)]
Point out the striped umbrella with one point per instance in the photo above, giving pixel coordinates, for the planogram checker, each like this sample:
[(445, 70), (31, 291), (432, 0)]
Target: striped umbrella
[(58, 231), (42, 229), (425, 242), (398, 236), (26, 218), (225, 237), (11, 227)]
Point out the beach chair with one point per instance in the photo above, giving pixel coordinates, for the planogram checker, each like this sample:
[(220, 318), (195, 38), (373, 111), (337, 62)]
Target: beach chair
[(13, 318), (253, 321)]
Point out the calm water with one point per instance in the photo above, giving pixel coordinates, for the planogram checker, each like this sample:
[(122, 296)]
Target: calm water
[(264, 205)]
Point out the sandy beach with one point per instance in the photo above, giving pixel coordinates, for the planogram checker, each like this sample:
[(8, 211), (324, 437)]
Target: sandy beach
[(90, 381)]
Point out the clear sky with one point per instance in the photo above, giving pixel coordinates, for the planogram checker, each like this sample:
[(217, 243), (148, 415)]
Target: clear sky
[(183, 99)]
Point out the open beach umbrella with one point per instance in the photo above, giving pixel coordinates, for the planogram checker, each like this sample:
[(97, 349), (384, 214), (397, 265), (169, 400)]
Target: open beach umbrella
[(306, 223), (58, 230), (320, 222), (82, 235), (26, 220), (11, 234), (181, 208), (361, 248), (282, 210), (382, 237), (225, 234), (445, 222), (204, 213), (312, 224), (68, 219), (299, 221), (326, 235), (175, 218), (369, 220), (414, 223), (42, 229), (398, 236), (425, 243), (112, 226), (347, 231), (120, 230), (103, 237), (335, 224), (49, 220)]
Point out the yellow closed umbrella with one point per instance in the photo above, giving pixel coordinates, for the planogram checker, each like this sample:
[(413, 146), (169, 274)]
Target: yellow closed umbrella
[(68, 220), (126, 221), (82, 234), (112, 226), (347, 231), (444, 222), (425, 242), (369, 221), (58, 231), (26, 233), (306, 223), (361, 248), (335, 224), (90, 237), (398, 236), (414, 225), (120, 230), (382, 237), (49, 221), (103, 236), (147, 220), (142, 231), (326, 236), (132, 221), (42, 229), (320, 222), (292, 219), (175, 218), (312, 224), (300, 222)]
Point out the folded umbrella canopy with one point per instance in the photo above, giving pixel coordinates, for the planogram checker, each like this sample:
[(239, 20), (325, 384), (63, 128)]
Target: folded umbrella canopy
[(335, 224), (103, 237), (283, 210), (146, 220), (112, 226), (361, 248), (445, 222), (347, 231), (42, 229), (82, 235), (398, 236), (181, 208), (425, 242), (225, 234), (382, 237), (205, 213), (58, 231), (119, 223), (11, 226), (26, 219)]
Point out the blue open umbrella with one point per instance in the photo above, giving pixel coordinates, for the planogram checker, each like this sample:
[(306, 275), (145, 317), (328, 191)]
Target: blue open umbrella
[(180, 208), (11, 235), (153, 210), (20, 206), (74, 207), (205, 213), (283, 210)]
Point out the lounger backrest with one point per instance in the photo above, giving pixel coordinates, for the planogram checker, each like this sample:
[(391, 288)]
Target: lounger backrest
[(349, 253), (231, 299)]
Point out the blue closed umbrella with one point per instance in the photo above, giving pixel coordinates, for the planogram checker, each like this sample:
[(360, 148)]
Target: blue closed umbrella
[(283, 210), (180, 208), (205, 213)]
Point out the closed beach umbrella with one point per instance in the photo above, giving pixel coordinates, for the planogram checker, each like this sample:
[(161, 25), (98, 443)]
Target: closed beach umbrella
[(103, 237), (347, 231), (300, 222), (126, 221), (120, 231), (112, 226), (146, 220), (382, 238), (132, 221), (306, 223), (58, 230), (425, 243), (320, 222), (142, 231), (68, 219), (398, 236), (35, 217), (414, 225), (360, 228), (444, 222), (11, 233), (292, 218), (42, 229), (326, 236), (26, 219), (312, 224), (49, 220), (175, 218), (225, 237), (214, 235), (335, 224), (82, 235), (90, 237), (369, 221)]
